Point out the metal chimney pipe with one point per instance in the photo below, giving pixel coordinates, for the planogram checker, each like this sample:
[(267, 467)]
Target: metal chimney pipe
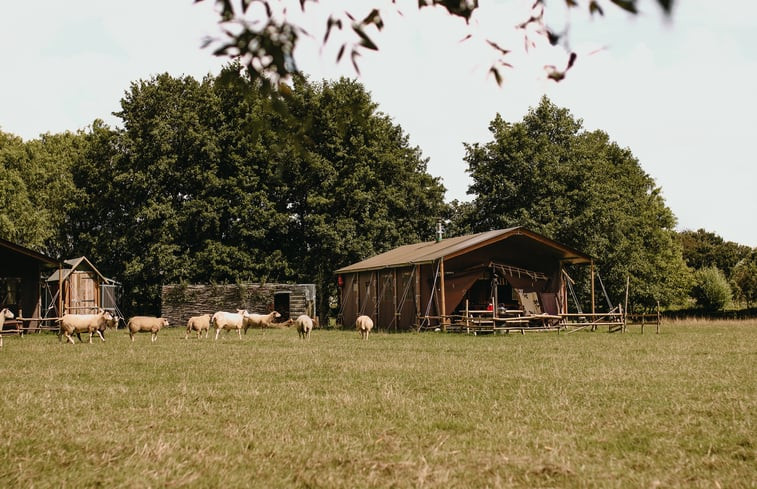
[(439, 231)]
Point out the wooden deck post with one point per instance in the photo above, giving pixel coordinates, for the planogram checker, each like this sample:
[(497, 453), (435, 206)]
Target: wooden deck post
[(444, 301), (593, 309)]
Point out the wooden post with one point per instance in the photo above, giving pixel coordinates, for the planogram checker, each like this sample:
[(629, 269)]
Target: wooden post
[(394, 299), (593, 310), (625, 309), (467, 316), (376, 299), (659, 317), (60, 290), (643, 317), (444, 300), (417, 295)]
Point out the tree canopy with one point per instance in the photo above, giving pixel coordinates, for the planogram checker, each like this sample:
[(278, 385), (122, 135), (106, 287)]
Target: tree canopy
[(209, 182), (581, 189)]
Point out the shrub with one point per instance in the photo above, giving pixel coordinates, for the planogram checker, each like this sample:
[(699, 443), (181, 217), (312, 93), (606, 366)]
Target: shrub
[(711, 290)]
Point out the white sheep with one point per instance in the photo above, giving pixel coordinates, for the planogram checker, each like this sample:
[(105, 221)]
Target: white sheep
[(304, 326), (84, 323), (252, 320), (364, 325), (113, 323), (4, 314), (198, 323), (146, 324), (228, 321)]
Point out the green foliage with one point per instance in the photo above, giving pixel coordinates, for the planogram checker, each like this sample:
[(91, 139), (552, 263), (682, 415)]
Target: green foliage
[(581, 189), (744, 279), (711, 289), (20, 220), (209, 181), (36, 188), (702, 249)]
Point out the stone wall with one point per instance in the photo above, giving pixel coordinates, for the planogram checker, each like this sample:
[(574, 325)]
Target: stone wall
[(179, 302)]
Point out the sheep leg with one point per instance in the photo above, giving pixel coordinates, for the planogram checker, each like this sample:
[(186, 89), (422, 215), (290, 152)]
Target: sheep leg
[(99, 334), (218, 330), (154, 337)]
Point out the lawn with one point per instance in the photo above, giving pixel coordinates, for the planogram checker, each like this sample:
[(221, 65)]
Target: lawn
[(583, 410)]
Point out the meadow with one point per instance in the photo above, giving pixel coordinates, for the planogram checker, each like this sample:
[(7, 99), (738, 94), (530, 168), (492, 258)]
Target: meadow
[(582, 410)]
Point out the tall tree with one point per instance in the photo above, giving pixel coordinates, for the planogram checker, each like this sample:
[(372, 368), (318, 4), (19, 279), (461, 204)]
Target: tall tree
[(705, 249), (355, 187), (210, 181), (744, 278), (583, 190), (22, 220)]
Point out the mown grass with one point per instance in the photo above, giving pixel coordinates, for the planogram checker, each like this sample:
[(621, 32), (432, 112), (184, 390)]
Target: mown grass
[(400, 410)]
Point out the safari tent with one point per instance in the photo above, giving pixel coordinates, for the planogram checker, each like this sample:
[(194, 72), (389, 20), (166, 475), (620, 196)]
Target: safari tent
[(514, 272), (21, 272)]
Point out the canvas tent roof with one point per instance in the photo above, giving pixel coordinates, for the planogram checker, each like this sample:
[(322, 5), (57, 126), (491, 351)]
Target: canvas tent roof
[(81, 263), (430, 251)]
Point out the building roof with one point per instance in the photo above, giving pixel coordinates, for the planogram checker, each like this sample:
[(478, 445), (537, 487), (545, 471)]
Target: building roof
[(430, 251), (28, 252), (81, 263)]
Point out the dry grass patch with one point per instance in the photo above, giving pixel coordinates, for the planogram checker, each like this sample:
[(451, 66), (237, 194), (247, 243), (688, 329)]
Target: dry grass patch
[(407, 410)]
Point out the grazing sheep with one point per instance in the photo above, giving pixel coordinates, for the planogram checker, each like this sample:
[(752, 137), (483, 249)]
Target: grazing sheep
[(84, 323), (304, 326), (229, 321), (258, 320), (146, 324), (364, 325), (199, 324), (4, 314)]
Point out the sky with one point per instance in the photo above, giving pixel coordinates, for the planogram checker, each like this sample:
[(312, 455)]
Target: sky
[(678, 92)]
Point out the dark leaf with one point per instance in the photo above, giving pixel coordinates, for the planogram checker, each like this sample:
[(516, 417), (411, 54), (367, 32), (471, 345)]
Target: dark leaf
[(498, 47), (595, 8), (497, 77), (364, 39), (572, 60), (330, 23), (553, 37), (627, 5), (374, 18), (354, 55), (340, 53)]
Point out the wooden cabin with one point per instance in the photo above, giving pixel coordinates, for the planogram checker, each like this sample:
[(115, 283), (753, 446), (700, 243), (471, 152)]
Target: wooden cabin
[(79, 288), (513, 273), (21, 274)]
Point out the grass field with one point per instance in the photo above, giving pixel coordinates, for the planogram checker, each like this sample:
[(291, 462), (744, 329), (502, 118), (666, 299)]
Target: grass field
[(584, 410)]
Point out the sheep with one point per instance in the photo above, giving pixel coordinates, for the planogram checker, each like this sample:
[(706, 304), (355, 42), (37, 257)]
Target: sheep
[(229, 321), (364, 325), (146, 324), (113, 323), (4, 314), (304, 326), (252, 320), (84, 323), (199, 324)]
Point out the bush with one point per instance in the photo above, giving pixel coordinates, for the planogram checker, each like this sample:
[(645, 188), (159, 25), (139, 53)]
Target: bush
[(744, 277), (711, 290)]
